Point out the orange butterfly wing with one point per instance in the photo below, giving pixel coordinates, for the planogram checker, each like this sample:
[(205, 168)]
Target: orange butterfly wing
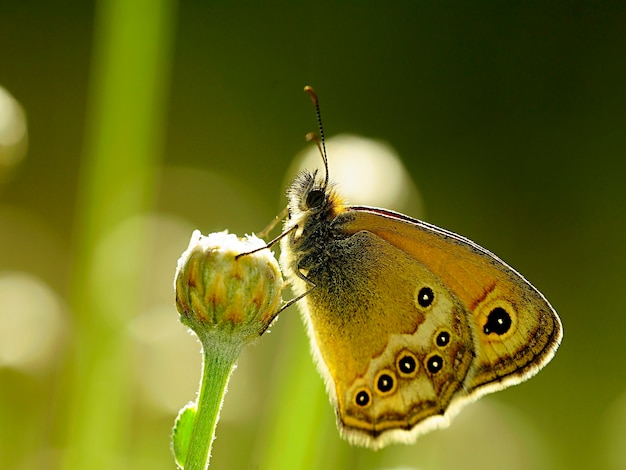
[(485, 285)]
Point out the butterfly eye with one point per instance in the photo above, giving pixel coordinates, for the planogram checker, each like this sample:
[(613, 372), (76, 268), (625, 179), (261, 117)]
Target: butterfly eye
[(314, 198), (362, 398), (498, 322), (434, 363)]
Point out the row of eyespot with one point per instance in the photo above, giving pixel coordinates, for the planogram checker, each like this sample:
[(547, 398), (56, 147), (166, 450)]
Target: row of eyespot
[(407, 366)]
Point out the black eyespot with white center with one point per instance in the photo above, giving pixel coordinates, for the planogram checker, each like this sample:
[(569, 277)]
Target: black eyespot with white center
[(385, 383), (362, 398), (498, 322), (425, 297), (406, 364), (442, 339), (434, 363)]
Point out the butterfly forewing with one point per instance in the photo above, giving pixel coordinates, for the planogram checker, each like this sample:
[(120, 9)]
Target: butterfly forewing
[(516, 331)]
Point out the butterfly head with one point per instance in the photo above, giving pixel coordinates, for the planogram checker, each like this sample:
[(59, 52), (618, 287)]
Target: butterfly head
[(312, 198)]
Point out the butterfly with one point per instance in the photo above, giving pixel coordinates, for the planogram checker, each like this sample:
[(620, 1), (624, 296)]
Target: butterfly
[(408, 322)]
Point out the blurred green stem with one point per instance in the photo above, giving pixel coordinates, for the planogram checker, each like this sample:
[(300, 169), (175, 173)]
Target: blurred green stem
[(219, 362), (123, 144), (296, 433)]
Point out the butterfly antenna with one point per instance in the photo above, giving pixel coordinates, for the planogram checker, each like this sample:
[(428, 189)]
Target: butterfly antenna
[(321, 145)]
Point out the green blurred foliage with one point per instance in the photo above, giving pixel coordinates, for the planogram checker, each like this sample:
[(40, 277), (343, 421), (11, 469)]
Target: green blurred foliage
[(510, 118)]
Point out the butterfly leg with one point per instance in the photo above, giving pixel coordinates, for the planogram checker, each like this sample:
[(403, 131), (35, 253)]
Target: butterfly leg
[(269, 244), (290, 302), (282, 214)]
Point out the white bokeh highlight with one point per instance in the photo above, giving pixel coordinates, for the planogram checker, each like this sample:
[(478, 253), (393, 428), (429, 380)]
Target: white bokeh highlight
[(33, 322), (365, 171), (13, 130)]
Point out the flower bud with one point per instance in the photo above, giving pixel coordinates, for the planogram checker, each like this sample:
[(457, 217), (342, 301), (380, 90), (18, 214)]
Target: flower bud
[(218, 294)]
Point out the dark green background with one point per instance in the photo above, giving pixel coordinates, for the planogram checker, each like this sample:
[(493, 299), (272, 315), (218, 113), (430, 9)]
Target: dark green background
[(511, 118)]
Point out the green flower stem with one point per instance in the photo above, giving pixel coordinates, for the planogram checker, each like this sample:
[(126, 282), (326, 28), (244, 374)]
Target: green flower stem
[(220, 359)]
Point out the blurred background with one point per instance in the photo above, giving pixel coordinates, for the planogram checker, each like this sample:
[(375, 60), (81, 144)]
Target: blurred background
[(126, 124)]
